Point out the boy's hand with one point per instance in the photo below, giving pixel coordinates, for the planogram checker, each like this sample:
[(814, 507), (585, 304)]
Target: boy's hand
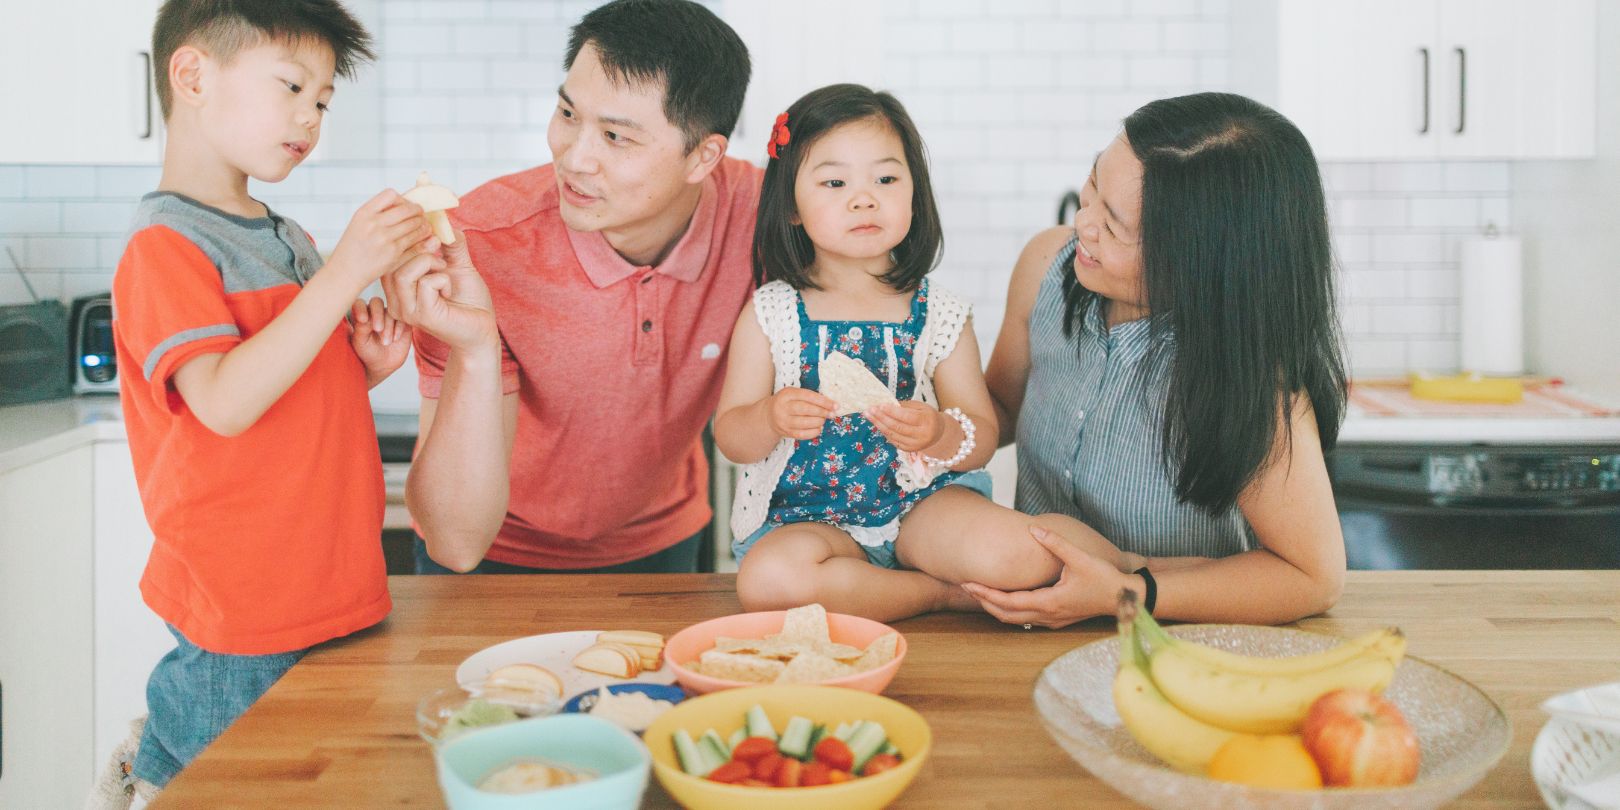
[(382, 234), (380, 340), (910, 425), (445, 296), (799, 413)]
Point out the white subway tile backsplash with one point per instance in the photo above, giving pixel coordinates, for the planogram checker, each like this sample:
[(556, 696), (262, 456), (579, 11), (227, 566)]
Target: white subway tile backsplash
[(1409, 247), (79, 284), (60, 253), (1117, 37), (60, 181), (980, 36), (1472, 176), (1163, 71), (1199, 37), (30, 217), (1014, 98)]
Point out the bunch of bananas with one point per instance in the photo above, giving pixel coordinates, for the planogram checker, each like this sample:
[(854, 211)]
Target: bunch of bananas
[(1182, 700)]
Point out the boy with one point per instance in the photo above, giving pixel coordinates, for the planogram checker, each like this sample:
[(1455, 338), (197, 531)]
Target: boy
[(245, 397)]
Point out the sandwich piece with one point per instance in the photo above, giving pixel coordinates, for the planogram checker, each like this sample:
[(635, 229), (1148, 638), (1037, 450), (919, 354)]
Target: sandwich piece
[(852, 385), (435, 200), (524, 686)]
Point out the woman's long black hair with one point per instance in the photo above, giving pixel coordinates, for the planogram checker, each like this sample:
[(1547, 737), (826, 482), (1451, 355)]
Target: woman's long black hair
[(1236, 260), (782, 250)]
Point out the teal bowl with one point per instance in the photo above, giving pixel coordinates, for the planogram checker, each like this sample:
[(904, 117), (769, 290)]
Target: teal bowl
[(618, 758)]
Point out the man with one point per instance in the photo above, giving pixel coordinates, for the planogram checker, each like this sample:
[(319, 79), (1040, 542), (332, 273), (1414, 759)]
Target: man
[(567, 379)]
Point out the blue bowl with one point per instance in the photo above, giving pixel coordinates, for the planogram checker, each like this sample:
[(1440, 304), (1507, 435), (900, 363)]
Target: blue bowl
[(583, 701), (618, 758)]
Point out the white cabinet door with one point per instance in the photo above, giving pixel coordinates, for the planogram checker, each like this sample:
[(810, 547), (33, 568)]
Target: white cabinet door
[(45, 633), (1518, 80), (129, 637), (1354, 77), (76, 78)]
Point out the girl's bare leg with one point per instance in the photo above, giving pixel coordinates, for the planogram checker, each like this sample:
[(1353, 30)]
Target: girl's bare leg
[(958, 535), (813, 562)]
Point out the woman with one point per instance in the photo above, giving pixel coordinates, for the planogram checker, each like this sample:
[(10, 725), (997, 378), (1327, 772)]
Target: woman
[(1171, 369)]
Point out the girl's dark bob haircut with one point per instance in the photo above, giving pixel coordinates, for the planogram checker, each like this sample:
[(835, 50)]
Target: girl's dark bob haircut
[(782, 250)]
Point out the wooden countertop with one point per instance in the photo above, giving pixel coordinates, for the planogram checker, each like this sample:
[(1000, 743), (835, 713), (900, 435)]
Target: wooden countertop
[(339, 729)]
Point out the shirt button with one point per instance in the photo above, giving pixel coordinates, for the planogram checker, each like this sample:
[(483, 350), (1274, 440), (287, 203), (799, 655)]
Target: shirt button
[(1068, 474), (646, 326)]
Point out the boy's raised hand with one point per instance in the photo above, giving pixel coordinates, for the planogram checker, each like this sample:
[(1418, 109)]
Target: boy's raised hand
[(447, 297), (382, 234), (380, 340), (799, 413), (909, 425)]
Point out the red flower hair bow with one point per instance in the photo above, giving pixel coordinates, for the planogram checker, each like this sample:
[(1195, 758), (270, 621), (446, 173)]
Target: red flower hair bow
[(779, 135)]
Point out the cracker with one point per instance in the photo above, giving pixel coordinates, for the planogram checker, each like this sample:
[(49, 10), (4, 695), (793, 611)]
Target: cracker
[(811, 667), (734, 667), (805, 624), (881, 651), (851, 384)]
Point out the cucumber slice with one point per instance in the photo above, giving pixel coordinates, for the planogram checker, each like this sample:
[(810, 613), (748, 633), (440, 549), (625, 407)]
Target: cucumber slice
[(844, 730), (758, 724), (737, 736), (795, 740), (888, 748), (692, 759), (713, 747), (867, 740), (821, 732)]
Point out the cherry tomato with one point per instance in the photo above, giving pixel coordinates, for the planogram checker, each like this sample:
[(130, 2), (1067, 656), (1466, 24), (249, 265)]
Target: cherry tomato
[(835, 754), (834, 777), (753, 748), (880, 763), (766, 766), (731, 773), (815, 773), (788, 775)]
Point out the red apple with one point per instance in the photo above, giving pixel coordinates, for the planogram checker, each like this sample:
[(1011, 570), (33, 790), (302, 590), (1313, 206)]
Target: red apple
[(1359, 739)]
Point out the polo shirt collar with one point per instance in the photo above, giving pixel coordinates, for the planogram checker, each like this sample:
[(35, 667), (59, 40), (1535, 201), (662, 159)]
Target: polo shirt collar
[(605, 267)]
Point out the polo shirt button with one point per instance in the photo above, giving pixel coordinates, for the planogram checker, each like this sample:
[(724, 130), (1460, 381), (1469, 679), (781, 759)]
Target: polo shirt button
[(1068, 474), (646, 326)]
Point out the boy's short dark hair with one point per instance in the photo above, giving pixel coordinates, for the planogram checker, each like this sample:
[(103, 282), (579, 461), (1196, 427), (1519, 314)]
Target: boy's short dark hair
[(782, 250), (701, 62), (225, 27)]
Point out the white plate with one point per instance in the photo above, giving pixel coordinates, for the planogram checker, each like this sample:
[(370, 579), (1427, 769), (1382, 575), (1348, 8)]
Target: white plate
[(1567, 754), (554, 651), (1597, 706)]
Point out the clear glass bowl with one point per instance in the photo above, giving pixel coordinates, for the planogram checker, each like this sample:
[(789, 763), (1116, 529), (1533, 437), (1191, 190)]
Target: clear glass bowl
[(1461, 731), (436, 713)]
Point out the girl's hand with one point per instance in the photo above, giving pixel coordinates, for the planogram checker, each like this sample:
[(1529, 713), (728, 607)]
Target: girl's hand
[(799, 413), (1087, 587), (911, 425), (379, 339)]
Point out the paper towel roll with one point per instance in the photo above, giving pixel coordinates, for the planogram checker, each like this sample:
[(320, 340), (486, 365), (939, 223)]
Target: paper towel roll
[(1491, 310)]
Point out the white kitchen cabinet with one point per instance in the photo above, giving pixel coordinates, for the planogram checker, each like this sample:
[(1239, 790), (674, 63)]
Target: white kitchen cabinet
[(1425, 79), (76, 642), (76, 77)]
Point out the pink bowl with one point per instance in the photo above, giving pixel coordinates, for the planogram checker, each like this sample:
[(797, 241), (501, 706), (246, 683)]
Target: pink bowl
[(684, 647)]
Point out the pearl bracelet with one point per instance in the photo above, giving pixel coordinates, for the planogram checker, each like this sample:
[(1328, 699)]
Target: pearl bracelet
[(963, 450)]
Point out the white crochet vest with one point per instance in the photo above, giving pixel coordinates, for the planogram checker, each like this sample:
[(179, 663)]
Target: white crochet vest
[(776, 308)]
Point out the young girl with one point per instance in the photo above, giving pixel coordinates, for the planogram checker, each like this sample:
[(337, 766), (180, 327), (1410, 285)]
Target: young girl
[(881, 513)]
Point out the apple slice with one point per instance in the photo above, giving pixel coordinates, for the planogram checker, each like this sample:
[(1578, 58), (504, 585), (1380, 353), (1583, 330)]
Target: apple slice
[(435, 200), (522, 685), (615, 660)]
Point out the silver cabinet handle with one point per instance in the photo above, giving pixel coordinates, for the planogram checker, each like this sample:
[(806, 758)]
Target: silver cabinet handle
[(1462, 90), (144, 132), (1424, 129)]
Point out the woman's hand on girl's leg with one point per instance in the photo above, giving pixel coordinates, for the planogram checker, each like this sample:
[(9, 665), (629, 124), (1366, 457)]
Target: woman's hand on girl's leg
[(1087, 587)]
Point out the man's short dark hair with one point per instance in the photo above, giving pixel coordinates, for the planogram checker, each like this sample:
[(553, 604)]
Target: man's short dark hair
[(225, 27), (702, 63)]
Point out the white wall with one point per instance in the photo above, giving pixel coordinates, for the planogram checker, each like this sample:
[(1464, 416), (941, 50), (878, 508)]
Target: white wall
[(1570, 213)]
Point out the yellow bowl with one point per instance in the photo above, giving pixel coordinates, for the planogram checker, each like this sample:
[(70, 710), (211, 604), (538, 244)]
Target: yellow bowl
[(723, 711)]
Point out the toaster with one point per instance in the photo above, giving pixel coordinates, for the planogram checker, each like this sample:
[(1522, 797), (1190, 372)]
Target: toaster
[(95, 363), (32, 339)]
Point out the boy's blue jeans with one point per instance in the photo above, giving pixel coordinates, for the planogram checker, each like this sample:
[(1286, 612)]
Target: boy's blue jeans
[(193, 696)]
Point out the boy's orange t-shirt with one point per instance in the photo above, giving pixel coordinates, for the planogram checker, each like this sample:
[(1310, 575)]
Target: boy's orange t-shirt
[(617, 368), (268, 541)]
